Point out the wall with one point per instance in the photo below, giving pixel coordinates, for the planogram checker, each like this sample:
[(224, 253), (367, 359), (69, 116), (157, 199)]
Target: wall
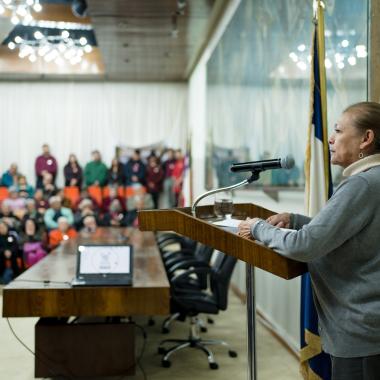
[(79, 117)]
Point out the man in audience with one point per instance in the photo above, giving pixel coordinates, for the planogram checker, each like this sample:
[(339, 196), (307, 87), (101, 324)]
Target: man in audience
[(9, 178), (95, 172), (55, 211), (135, 170), (154, 179), (45, 163), (62, 232)]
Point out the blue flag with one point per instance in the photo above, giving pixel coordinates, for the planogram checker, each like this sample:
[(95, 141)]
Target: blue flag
[(315, 364)]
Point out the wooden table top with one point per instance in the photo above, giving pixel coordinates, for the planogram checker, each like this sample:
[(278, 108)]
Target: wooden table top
[(44, 290)]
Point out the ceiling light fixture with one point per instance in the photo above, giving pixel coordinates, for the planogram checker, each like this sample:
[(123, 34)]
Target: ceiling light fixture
[(21, 10)]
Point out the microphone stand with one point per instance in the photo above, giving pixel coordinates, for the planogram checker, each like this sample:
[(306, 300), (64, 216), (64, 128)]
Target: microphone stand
[(254, 177), (250, 280)]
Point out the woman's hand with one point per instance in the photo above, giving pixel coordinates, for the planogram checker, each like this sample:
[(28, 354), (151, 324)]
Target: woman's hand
[(280, 220), (244, 228)]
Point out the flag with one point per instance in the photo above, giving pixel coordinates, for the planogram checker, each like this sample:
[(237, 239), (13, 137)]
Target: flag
[(315, 364)]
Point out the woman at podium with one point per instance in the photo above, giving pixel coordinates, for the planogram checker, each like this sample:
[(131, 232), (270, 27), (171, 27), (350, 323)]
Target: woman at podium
[(342, 247)]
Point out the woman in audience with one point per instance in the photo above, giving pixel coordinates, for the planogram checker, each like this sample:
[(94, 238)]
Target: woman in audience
[(113, 194), (41, 203), (85, 208), (115, 217), (115, 174), (154, 179), (33, 213), (8, 217), (10, 260), (73, 172), (24, 189), (63, 232), (32, 243)]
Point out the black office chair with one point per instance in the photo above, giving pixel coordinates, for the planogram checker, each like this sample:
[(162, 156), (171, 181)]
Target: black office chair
[(182, 261), (192, 303), (168, 239)]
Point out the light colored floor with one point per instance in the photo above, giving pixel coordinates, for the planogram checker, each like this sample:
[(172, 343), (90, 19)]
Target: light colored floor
[(274, 362)]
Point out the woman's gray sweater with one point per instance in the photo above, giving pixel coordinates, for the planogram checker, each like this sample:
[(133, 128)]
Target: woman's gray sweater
[(341, 245)]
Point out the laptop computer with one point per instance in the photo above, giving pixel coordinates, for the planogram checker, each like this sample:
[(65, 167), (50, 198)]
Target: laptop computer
[(104, 264)]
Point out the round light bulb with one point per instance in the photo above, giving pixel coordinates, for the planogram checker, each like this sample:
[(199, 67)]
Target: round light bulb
[(15, 20), (37, 7), (38, 35), (11, 45), (65, 34), (83, 41), (32, 58), (18, 40), (88, 48), (345, 43), (352, 60)]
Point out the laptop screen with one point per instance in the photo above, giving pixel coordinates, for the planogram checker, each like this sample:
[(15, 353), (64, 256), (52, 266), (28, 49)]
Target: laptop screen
[(95, 259)]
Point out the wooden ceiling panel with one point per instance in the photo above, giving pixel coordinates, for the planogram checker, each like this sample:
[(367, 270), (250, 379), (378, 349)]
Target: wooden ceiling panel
[(149, 39)]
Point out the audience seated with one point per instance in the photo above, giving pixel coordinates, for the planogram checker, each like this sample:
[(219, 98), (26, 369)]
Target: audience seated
[(8, 217), (85, 208), (55, 211), (95, 172), (10, 260), (45, 163), (112, 194), (169, 200), (9, 178), (115, 216), (14, 202), (31, 212), (41, 203), (134, 170), (63, 232), (139, 200), (73, 172)]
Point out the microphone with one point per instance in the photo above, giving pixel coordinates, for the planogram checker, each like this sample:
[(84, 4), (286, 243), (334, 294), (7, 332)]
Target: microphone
[(259, 166)]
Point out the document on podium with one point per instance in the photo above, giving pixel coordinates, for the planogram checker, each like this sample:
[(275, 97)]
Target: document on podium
[(230, 224)]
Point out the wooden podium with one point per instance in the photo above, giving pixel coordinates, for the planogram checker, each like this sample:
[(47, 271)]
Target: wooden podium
[(253, 253)]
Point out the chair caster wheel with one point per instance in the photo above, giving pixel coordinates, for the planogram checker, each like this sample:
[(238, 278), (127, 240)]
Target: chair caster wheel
[(151, 322), (165, 330), (204, 329), (214, 366), (233, 354), (161, 350), (210, 321), (166, 363)]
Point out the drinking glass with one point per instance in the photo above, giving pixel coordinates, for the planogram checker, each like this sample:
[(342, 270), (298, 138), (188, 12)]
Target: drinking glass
[(223, 205)]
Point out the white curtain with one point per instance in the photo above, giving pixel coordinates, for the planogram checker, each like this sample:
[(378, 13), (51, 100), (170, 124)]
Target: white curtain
[(77, 117)]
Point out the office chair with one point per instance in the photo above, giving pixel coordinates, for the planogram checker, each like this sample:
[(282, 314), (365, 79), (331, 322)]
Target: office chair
[(191, 303), (183, 260)]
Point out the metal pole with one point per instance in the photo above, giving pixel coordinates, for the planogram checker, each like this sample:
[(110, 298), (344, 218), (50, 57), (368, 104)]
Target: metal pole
[(251, 321)]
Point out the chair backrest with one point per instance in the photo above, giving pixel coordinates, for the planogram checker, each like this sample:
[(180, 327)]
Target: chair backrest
[(220, 279), (203, 253), (72, 193), (95, 192), (3, 193)]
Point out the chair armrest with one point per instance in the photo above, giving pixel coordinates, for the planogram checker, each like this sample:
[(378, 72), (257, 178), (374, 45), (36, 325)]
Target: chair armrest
[(167, 255), (181, 276), (186, 264)]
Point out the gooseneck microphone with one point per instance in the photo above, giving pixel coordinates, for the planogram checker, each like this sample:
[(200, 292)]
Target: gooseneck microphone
[(259, 166)]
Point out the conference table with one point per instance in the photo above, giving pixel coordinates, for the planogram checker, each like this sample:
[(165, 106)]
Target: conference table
[(45, 291)]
